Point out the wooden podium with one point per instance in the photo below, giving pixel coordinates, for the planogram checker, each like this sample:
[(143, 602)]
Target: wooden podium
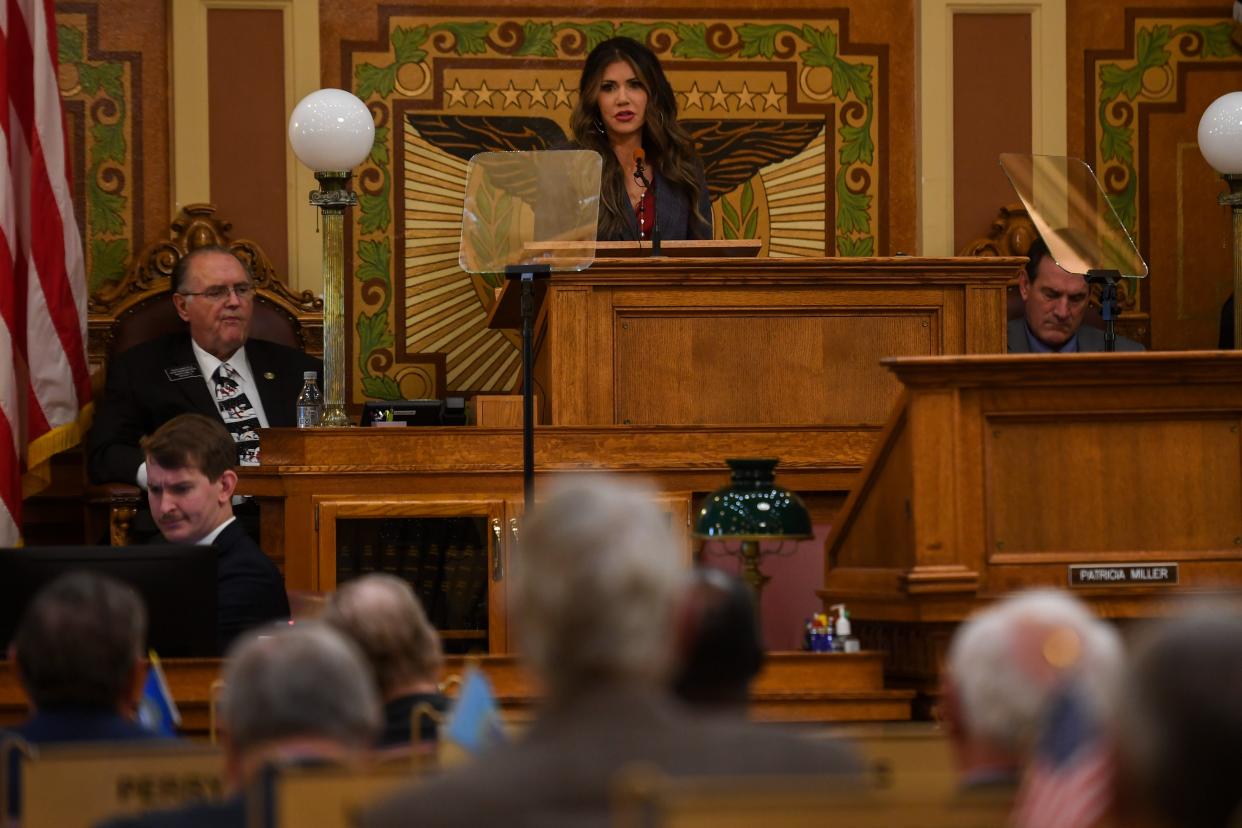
[(1116, 475), (702, 340)]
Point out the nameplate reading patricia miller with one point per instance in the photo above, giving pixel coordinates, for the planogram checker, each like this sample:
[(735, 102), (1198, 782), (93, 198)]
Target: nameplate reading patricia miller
[(1106, 575)]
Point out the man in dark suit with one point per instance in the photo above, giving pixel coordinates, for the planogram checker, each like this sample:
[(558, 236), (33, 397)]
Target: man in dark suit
[(1055, 302), (597, 586), (77, 655), (215, 369), (190, 484), (302, 695)]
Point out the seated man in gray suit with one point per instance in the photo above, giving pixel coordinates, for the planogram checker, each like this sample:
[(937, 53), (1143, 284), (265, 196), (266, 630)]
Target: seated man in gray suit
[(1055, 302), (597, 586)]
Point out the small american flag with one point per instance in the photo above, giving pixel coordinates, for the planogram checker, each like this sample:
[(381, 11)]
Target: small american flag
[(1069, 782)]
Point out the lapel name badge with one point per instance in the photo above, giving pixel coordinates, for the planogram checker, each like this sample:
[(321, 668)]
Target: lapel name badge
[(182, 372), (268, 375)]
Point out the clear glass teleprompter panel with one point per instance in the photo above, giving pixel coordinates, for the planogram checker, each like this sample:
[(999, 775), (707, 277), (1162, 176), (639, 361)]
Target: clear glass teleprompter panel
[(1072, 214), (530, 208)]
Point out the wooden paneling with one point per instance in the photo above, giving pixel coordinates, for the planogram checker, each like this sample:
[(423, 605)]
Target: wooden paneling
[(991, 112), (1019, 466), (1138, 485), (784, 341)]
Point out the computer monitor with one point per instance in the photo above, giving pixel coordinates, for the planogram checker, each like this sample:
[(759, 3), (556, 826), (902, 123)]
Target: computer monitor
[(177, 583)]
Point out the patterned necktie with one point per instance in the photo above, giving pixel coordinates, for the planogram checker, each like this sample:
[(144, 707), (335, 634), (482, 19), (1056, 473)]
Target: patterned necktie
[(238, 415)]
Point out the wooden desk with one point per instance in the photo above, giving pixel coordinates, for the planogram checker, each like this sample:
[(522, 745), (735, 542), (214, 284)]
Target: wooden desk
[(793, 687), (754, 341), (1002, 472)]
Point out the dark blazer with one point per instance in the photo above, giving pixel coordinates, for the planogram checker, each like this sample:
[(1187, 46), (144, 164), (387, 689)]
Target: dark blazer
[(674, 218), (231, 813), (249, 589), (141, 394), (1090, 339), (81, 725), (561, 771)]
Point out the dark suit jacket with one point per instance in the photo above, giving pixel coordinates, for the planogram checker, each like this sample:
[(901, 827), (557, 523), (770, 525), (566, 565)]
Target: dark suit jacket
[(1090, 339), (231, 813), (249, 589), (140, 396), (561, 771), (674, 218)]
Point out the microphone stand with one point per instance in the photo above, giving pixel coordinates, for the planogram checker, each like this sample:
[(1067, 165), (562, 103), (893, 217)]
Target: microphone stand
[(527, 274), (1107, 280), (655, 228)]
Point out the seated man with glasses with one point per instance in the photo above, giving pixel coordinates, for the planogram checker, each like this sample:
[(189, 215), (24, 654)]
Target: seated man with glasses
[(214, 368)]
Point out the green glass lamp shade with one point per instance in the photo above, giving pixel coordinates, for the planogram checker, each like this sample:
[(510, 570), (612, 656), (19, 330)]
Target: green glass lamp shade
[(753, 507)]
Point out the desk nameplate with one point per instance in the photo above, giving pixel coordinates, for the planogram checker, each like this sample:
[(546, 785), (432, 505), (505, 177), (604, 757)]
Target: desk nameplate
[(1124, 574)]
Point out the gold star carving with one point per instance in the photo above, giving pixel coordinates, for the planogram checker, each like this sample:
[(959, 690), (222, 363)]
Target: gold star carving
[(772, 99), (746, 98), (561, 95), (483, 95), (720, 98), (513, 96), (538, 95), (456, 94), (694, 98)]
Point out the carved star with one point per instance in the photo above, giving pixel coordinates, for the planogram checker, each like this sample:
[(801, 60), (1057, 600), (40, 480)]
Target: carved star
[(694, 98), (538, 95), (561, 96), (746, 98), (513, 96), (772, 99), (720, 98), (456, 94), (483, 95)]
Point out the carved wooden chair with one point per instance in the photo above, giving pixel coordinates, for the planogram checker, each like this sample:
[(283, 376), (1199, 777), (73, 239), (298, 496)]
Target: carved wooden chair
[(139, 308)]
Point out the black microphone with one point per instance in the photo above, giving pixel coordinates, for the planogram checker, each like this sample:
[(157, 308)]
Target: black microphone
[(639, 157)]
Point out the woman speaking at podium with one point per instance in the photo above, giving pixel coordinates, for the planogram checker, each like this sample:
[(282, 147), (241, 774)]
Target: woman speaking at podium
[(653, 184)]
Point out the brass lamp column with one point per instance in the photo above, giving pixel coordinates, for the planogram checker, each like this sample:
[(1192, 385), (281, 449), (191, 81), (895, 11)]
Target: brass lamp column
[(1220, 141), (332, 197), (331, 132)]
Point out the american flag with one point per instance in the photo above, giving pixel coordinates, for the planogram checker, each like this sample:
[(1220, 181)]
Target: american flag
[(45, 386), (1069, 781)]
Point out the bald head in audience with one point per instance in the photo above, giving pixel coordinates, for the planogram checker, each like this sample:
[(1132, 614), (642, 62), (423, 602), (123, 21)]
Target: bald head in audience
[(1181, 749), (382, 615), (1008, 662)]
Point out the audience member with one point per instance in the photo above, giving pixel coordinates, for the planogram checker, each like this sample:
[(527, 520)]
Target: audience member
[(720, 649), (190, 487), (595, 590), (78, 655), (299, 695), (1055, 303), (1181, 748), (383, 616), (1008, 665)]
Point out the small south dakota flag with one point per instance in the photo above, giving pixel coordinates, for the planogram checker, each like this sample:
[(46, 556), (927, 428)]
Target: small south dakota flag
[(157, 711), (474, 722)]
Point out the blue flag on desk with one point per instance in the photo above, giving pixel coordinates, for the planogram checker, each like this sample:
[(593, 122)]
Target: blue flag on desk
[(474, 722), (157, 711)]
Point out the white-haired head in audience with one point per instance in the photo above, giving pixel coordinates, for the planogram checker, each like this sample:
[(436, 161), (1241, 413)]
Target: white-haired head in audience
[(302, 689), (1007, 662), (597, 576)]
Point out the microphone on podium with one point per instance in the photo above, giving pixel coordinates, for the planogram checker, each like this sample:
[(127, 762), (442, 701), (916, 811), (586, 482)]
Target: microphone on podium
[(640, 173)]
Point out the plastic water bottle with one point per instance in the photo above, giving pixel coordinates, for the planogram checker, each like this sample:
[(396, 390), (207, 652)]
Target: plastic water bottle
[(310, 402)]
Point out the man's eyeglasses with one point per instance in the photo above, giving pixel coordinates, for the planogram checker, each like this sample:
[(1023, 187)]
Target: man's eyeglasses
[(219, 293)]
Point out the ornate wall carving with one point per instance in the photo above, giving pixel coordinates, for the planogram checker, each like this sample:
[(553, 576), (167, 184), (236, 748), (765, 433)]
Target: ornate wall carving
[(791, 112)]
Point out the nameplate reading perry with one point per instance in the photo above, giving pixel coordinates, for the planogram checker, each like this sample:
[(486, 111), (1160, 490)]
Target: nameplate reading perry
[(1126, 574)]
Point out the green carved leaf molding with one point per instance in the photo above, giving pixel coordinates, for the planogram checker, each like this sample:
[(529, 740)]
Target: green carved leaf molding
[(1153, 49), (105, 221)]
